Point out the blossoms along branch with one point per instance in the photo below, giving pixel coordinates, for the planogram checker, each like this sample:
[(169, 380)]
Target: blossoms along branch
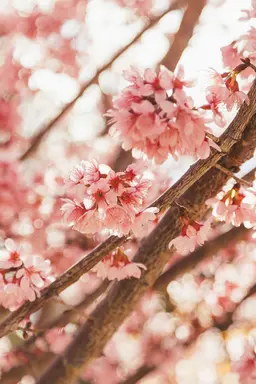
[(86, 243)]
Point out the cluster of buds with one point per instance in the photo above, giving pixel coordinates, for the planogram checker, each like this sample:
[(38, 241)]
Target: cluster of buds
[(236, 205)]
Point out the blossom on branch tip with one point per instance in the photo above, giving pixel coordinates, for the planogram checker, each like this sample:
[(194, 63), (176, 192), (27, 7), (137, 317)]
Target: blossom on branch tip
[(154, 117), (235, 204), (192, 235), (117, 265)]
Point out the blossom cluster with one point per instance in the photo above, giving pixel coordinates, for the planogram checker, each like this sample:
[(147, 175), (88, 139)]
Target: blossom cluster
[(22, 276), (235, 204), (193, 234), (244, 46), (117, 265), (112, 202), (154, 116), (224, 93)]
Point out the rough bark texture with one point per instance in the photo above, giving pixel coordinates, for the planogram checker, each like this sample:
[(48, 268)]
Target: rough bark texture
[(241, 131), (123, 296)]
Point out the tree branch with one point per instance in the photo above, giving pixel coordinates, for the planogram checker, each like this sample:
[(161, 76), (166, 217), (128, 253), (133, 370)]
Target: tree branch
[(123, 296), (242, 150), (184, 34)]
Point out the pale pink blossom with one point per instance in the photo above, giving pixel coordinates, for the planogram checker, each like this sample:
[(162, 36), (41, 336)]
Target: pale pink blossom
[(11, 296), (235, 205), (33, 275), (10, 256), (86, 173), (110, 203), (143, 221), (236, 99), (72, 211), (178, 80), (118, 266), (118, 221), (99, 196), (193, 234)]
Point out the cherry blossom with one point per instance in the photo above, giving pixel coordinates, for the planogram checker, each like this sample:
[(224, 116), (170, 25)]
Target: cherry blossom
[(151, 114), (192, 235), (235, 205), (118, 266), (112, 202), (22, 276)]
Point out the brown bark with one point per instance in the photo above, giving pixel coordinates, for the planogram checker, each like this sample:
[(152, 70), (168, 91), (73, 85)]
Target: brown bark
[(240, 131), (184, 34), (123, 296)]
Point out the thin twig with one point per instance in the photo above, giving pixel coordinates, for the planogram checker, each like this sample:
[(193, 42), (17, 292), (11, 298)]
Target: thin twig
[(232, 176)]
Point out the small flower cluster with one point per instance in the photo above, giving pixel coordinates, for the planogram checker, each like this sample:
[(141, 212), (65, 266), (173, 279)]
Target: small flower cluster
[(224, 93), (21, 276), (154, 116), (112, 202), (117, 265), (192, 235), (235, 205)]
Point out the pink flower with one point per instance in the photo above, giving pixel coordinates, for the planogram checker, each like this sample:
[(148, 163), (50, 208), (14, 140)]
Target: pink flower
[(57, 339), (235, 205), (117, 266), (236, 99), (33, 276), (178, 80), (72, 211), (157, 84), (216, 97), (143, 221), (99, 196), (110, 204), (10, 256), (87, 172), (192, 235), (230, 55), (11, 296), (118, 221)]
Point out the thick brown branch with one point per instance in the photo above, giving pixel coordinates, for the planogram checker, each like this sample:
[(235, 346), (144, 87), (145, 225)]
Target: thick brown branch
[(123, 296), (242, 150), (49, 125), (184, 34)]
